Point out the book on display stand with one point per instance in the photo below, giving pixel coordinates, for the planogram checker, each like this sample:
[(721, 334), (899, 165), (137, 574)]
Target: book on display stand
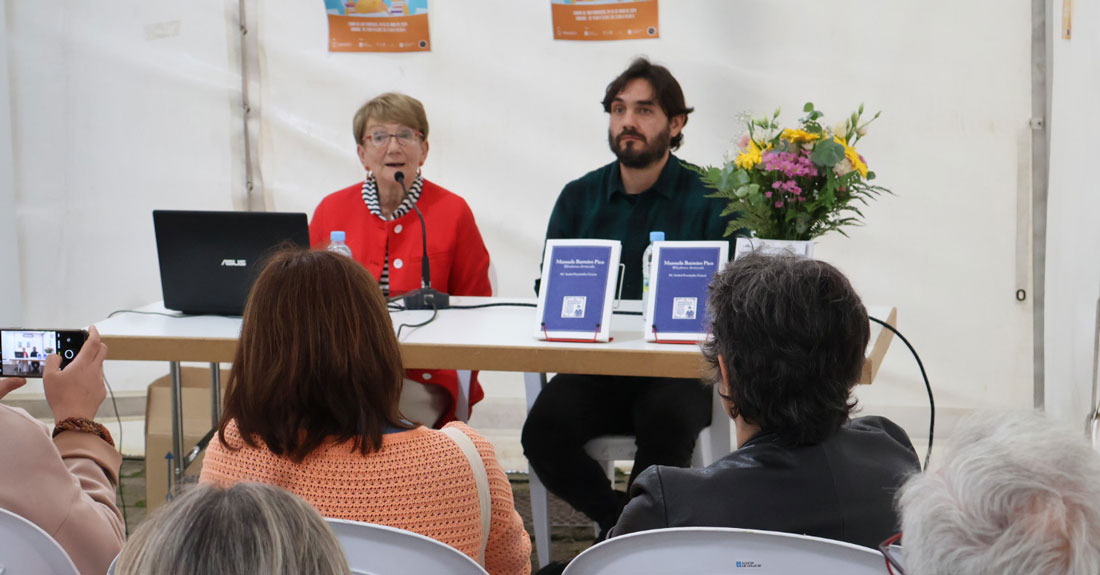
[(577, 288), (679, 275)]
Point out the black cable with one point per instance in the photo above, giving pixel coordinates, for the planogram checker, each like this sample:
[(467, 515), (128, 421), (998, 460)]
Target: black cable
[(118, 418), (507, 304), (927, 386), (498, 304), (435, 313)]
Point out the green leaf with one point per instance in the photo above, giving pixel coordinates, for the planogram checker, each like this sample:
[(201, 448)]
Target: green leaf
[(870, 175), (814, 128), (809, 107), (827, 153), (742, 191)]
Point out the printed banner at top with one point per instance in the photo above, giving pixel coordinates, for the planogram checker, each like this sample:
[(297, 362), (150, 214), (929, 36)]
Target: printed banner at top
[(605, 19), (378, 25)]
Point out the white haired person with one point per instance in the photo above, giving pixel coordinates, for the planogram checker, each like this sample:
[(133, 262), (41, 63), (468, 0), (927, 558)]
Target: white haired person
[(1015, 494), (246, 528)]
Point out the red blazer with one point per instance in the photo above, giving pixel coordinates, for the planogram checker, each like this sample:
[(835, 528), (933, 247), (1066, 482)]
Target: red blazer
[(459, 260)]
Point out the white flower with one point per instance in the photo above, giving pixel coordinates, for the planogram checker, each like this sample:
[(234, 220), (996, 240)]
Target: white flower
[(843, 167), (862, 130), (840, 129)]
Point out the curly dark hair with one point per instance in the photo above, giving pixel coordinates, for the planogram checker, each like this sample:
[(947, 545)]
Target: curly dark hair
[(665, 87), (792, 333)]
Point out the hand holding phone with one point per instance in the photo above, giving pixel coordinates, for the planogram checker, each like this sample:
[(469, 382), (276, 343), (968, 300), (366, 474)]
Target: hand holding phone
[(78, 390)]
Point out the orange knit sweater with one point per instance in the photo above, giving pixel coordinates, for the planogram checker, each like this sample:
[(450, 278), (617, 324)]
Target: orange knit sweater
[(419, 481)]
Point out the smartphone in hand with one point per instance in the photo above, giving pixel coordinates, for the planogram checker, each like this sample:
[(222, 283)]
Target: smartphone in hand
[(24, 351)]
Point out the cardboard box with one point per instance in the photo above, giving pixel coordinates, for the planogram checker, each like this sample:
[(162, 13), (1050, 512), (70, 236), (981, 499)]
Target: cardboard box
[(158, 428)]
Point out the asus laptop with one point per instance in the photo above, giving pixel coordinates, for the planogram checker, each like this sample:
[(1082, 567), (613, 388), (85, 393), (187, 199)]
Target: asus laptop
[(209, 260)]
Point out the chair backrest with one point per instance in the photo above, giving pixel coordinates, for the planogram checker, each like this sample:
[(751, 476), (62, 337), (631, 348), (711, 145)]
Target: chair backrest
[(25, 549), (705, 550), (380, 550)]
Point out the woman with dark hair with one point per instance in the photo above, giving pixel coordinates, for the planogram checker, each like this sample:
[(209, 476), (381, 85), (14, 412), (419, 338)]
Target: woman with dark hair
[(312, 407)]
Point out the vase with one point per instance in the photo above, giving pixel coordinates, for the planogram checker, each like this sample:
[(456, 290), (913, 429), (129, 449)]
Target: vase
[(773, 247)]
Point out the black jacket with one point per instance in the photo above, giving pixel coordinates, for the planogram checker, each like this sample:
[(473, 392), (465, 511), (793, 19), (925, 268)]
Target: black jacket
[(842, 488)]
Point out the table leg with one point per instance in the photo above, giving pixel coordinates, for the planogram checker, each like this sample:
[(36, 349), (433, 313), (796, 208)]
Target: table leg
[(215, 394), (540, 516), (462, 405), (177, 422)]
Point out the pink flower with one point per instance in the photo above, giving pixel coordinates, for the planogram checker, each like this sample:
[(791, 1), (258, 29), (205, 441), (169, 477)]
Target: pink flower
[(779, 204), (743, 143), (767, 194)]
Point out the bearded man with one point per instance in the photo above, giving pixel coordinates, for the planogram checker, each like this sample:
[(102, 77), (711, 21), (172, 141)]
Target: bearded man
[(646, 189)]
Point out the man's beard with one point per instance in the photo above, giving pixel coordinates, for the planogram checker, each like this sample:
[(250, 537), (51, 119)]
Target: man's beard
[(643, 153)]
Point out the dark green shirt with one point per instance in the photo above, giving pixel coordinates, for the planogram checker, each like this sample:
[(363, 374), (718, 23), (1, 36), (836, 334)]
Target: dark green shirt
[(596, 206)]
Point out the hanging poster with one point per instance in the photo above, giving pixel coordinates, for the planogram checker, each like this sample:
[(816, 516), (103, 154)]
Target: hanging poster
[(605, 19), (378, 25)]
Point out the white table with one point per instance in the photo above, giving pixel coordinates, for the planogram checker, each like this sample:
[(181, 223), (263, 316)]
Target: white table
[(490, 339)]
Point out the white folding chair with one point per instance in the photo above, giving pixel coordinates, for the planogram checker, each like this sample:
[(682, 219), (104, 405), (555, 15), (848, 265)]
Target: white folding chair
[(706, 550), (713, 443), (25, 549), (380, 550)]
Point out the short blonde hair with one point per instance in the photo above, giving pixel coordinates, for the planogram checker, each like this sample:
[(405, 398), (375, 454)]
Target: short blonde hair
[(247, 528), (391, 107)]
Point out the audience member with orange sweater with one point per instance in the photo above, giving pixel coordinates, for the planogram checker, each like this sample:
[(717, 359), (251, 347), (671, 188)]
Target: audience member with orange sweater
[(312, 407)]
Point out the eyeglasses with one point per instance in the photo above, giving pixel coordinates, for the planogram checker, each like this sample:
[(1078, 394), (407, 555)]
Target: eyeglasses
[(891, 552), (381, 138)]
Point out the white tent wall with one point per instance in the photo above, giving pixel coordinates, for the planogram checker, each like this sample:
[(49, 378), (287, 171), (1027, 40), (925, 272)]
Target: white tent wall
[(515, 115), (11, 293), (1073, 234), (116, 109), (121, 108)]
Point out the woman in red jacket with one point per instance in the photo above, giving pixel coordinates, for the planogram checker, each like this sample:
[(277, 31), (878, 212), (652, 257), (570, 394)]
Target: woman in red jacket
[(383, 232)]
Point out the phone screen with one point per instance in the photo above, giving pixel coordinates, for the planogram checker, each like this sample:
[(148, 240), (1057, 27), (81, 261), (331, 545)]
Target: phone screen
[(24, 351)]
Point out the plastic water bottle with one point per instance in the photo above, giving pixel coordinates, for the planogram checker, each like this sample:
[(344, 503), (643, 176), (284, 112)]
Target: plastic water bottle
[(647, 260), (336, 243)]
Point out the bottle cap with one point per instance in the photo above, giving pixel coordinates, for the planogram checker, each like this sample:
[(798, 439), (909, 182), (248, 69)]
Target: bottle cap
[(336, 236), (656, 236)]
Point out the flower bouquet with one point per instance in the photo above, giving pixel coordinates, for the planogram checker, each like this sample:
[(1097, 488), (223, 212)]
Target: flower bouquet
[(795, 183)]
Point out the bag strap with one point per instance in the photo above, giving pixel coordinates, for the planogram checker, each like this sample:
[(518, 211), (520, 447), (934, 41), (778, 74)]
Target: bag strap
[(481, 478)]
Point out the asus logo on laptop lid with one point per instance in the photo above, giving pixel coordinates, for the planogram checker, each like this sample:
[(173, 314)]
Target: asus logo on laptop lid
[(234, 263)]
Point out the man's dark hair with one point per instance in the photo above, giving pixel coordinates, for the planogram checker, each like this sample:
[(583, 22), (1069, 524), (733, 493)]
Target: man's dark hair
[(665, 88), (792, 332)]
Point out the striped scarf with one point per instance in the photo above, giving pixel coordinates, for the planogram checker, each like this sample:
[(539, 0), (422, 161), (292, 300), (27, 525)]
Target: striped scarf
[(370, 198)]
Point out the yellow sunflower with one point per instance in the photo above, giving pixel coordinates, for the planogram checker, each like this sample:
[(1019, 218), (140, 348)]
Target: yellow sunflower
[(799, 136), (750, 157)]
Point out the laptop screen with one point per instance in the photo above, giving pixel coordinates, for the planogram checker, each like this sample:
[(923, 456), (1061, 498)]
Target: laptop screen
[(209, 260)]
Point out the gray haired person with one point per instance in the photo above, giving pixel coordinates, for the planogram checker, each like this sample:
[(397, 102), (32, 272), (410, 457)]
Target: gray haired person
[(247, 528), (1015, 494)]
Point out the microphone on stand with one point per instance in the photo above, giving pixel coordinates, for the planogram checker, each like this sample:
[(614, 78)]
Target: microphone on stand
[(425, 297)]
